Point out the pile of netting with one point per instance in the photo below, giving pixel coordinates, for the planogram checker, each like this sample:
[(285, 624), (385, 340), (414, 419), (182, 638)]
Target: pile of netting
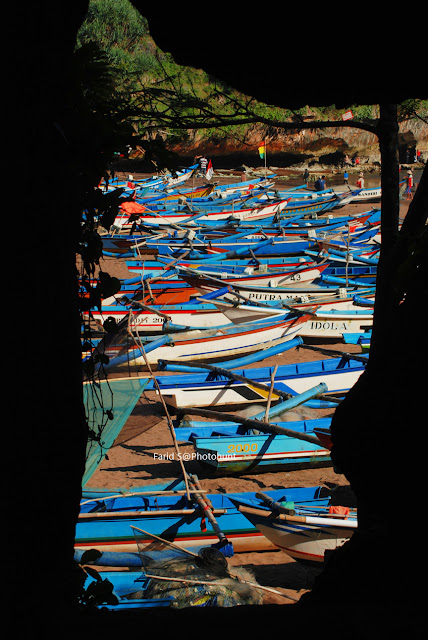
[(196, 580)]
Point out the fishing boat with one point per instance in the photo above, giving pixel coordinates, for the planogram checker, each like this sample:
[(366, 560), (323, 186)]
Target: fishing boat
[(164, 318), (212, 344), (305, 532), (251, 213), (333, 318), (224, 449), (165, 180), (106, 524), (219, 387), (119, 303), (369, 194), (336, 323), (325, 286)]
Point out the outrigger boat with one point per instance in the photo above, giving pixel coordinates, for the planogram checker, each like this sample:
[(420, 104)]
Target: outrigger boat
[(218, 386), (213, 344), (106, 524), (305, 532), (231, 451)]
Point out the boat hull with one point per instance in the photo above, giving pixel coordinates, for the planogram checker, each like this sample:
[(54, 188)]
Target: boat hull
[(305, 541), (212, 344), (202, 390), (111, 531), (258, 454)]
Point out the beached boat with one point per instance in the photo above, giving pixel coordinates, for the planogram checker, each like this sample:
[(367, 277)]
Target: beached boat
[(119, 304), (220, 387), (212, 344), (273, 292), (106, 524), (224, 449), (162, 181), (306, 532), (251, 213)]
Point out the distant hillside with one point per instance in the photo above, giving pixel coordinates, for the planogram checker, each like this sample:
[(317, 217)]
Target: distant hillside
[(123, 37)]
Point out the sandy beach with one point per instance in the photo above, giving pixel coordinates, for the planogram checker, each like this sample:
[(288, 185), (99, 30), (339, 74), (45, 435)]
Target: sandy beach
[(134, 461)]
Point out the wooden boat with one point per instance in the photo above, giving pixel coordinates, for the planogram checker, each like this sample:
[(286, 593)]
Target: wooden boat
[(253, 213), (164, 318), (260, 444), (369, 194), (336, 323), (106, 524), (234, 454), (280, 245), (306, 533), (333, 299), (118, 305), (166, 180), (257, 293), (219, 387), (277, 243), (217, 343), (161, 268), (334, 317)]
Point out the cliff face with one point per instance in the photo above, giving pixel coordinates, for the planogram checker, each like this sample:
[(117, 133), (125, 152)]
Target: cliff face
[(309, 145)]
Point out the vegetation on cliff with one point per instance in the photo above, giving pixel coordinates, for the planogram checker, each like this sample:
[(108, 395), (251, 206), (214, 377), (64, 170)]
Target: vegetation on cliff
[(163, 98)]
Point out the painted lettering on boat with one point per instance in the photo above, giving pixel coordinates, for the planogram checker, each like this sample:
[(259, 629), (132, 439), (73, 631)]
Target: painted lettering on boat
[(271, 296), (328, 325), (242, 448), (147, 320)]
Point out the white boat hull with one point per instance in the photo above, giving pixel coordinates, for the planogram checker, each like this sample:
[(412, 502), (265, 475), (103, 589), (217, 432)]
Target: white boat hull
[(220, 345), (207, 395), (334, 325), (304, 541)]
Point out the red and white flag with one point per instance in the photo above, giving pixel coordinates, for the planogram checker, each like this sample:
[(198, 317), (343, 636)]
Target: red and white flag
[(348, 115), (210, 171)]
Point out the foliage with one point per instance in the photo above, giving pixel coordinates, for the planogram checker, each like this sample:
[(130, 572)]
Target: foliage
[(164, 97)]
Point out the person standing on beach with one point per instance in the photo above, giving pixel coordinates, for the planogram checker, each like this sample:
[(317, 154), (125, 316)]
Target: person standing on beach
[(409, 184), (306, 177), (203, 166), (360, 181), (346, 177)]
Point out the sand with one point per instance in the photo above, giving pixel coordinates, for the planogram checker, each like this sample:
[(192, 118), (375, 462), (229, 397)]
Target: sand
[(132, 463)]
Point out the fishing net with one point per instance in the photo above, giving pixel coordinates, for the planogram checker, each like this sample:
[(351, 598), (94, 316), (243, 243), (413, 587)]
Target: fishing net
[(194, 580)]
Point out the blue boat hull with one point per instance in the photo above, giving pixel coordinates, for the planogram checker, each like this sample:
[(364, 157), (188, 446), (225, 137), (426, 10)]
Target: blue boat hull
[(108, 527)]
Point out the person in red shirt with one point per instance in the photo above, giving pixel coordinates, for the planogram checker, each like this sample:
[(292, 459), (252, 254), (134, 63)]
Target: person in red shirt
[(409, 186), (360, 181)]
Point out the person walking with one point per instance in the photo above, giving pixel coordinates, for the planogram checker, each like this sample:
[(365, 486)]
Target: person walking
[(409, 185)]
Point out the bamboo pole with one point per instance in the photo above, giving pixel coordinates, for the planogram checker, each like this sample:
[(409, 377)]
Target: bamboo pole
[(272, 380), (138, 514)]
